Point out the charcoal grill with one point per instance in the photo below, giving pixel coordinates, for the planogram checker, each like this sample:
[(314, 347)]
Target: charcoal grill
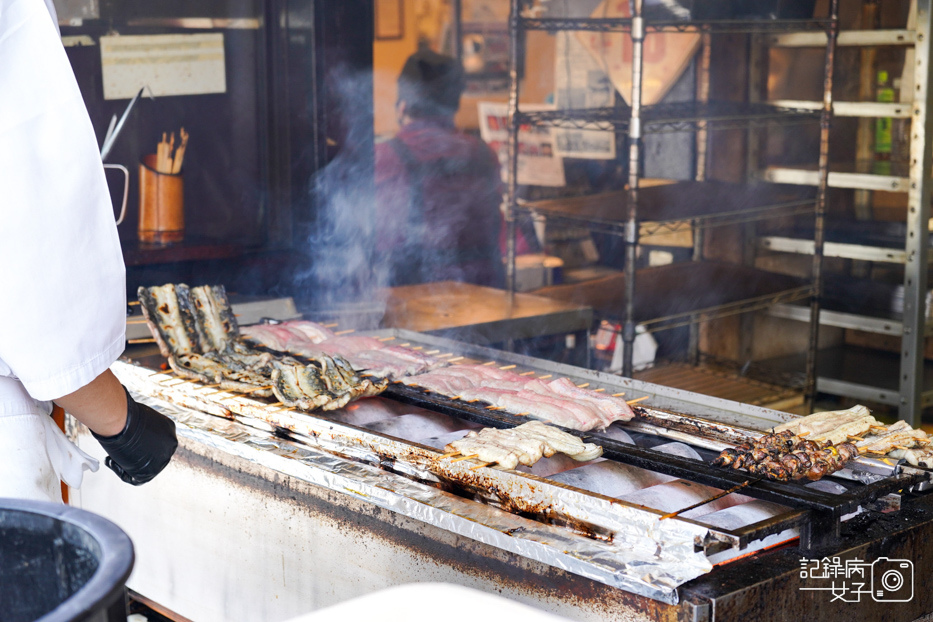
[(573, 531)]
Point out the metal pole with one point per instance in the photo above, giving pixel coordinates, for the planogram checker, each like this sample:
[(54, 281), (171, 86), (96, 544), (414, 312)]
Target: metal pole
[(918, 215), (702, 147), (819, 233), (631, 227), (514, 14), (457, 8)]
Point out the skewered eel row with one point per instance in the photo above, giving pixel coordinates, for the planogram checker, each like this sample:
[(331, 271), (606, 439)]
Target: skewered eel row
[(784, 456), (197, 332)]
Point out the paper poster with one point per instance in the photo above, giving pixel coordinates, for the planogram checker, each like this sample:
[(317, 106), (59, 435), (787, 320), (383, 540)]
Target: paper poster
[(665, 55), (538, 162), (167, 64), (580, 82)]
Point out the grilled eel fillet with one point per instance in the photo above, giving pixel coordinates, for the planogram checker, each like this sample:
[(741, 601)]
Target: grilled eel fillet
[(224, 371), (185, 320), (835, 426), (328, 385), (169, 316), (524, 444)]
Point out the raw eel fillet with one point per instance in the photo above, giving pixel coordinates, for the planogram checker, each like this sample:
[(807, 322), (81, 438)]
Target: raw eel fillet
[(559, 401), (312, 340)]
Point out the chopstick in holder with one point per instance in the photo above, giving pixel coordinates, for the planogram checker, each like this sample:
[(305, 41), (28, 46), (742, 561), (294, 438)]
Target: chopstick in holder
[(179, 153)]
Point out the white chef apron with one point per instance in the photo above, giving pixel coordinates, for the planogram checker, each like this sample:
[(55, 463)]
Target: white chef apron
[(34, 453)]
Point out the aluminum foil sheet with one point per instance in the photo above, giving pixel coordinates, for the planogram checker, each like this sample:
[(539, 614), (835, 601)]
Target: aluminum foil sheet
[(642, 554)]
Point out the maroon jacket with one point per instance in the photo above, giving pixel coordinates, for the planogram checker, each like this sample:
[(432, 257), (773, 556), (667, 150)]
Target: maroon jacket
[(438, 192)]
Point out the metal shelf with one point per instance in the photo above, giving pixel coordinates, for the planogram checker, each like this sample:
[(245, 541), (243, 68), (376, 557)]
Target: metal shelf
[(847, 38), (839, 319), (800, 246), (865, 241), (859, 373), (836, 179), (673, 117), (624, 24), (679, 294), (669, 208), (899, 110)]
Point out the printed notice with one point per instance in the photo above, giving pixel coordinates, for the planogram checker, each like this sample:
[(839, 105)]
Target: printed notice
[(581, 82), (167, 64), (538, 162)]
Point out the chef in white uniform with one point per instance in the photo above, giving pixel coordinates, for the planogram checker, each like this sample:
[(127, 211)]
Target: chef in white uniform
[(62, 280)]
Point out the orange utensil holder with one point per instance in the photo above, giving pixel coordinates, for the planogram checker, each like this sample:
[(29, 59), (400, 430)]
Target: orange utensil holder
[(161, 204)]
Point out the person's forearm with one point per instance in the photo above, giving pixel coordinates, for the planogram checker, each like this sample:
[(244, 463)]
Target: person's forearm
[(100, 405)]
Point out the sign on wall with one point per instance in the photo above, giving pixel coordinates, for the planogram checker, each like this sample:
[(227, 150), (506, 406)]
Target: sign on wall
[(167, 64)]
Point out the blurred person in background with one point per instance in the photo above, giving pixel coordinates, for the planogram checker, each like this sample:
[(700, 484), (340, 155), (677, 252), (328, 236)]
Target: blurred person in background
[(438, 190)]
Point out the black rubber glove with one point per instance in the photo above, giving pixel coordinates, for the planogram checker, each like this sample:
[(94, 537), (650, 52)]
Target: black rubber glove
[(143, 448)]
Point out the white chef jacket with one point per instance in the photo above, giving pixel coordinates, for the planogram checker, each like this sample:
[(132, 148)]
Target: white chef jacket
[(62, 279)]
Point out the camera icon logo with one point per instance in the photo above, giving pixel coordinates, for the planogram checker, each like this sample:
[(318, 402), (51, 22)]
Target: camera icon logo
[(892, 580)]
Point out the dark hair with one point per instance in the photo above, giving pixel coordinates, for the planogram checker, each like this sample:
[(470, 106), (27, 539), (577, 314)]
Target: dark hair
[(431, 84)]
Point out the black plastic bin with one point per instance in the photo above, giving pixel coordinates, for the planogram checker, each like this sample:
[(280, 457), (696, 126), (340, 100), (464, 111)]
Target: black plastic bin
[(60, 563)]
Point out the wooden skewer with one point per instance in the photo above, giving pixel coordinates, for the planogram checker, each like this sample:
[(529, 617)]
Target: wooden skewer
[(705, 501), (802, 434), (854, 438), (133, 303), (166, 380), (345, 332), (253, 390), (618, 394), (527, 373), (275, 404), (489, 363), (521, 414), (384, 339), (638, 399), (229, 397), (432, 351), (417, 347), (463, 458), (212, 393), (404, 345), (210, 386), (459, 358), (479, 466), (443, 356), (878, 427), (472, 401), (583, 386), (492, 408), (545, 377), (334, 325), (902, 447), (456, 397), (450, 455), (599, 390), (509, 367)]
